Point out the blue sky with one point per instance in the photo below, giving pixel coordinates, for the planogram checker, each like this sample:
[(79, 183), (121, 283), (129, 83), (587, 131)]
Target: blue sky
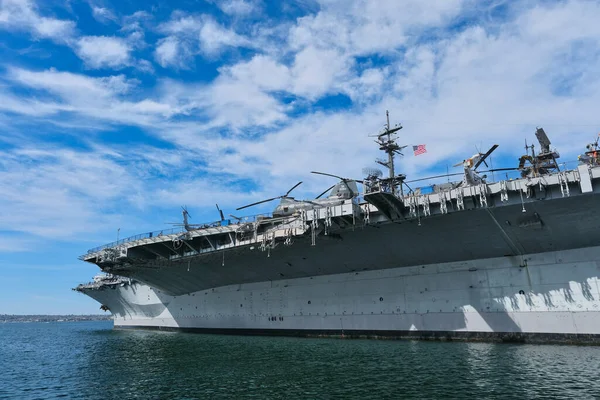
[(114, 114)]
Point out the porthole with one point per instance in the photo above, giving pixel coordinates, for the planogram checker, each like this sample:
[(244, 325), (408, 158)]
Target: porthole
[(381, 299), (521, 292), (309, 302)]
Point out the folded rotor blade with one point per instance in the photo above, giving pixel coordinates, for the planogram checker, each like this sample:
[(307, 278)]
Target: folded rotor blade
[(258, 202), (501, 169), (323, 173), (293, 187), (433, 177), (327, 190)]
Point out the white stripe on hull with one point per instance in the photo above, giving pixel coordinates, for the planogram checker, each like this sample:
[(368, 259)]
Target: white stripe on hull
[(554, 293)]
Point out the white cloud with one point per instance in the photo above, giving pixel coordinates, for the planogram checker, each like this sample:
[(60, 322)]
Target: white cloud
[(73, 87), (262, 71), (214, 38), (231, 103), (239, 8), (28, 107), (190, 35), (182, 24), (62, 196), (21, 15), (95, 51), (317, 71), (102, 99), (103, 14), (16, 244), (103, 51), (145, 66), (365, 27), (134, 27), (168, 53)]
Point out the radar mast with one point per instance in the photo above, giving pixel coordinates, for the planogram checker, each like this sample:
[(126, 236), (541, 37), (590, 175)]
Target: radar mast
[(387, 143)]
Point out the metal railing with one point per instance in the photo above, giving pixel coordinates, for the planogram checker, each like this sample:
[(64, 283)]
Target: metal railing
[(171, 231), (426, 185)]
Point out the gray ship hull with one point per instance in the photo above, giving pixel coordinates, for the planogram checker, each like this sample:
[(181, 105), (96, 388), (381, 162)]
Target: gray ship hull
[(554, 298)]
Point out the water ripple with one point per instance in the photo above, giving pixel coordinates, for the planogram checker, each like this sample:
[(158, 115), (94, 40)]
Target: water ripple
[(91, 361)]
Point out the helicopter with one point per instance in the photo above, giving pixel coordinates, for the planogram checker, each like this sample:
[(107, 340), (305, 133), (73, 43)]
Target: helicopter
[(340, 193), (592, 155), (470, 165), (191, 227)]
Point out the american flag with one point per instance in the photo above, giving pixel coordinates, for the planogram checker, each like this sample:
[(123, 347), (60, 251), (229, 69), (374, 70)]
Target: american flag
[(419, 149)]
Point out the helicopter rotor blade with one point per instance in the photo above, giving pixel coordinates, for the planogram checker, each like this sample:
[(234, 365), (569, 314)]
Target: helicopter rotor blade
[(293, 187), (323, 173), (502, 169), (486, 155), (185, 211), (345, 180), (434, 177), (327, 190), (259, 202)]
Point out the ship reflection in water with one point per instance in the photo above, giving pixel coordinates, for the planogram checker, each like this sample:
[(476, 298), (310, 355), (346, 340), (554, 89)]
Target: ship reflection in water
[(89, 360)]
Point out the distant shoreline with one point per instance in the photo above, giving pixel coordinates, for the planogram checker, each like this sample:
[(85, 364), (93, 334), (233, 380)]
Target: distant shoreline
[(10, 318)]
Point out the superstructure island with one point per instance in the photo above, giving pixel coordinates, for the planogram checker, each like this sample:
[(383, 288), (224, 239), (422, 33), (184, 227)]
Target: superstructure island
[(515, 259)]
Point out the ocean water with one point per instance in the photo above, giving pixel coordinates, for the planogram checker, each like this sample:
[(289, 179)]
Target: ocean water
[(90, 360)]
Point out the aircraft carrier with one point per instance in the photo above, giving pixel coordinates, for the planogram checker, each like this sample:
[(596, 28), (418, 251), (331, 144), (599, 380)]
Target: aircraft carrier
[(510, 259)]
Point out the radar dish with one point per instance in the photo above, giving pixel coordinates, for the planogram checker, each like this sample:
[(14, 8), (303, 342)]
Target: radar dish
[(372, 172), (543, 139)]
